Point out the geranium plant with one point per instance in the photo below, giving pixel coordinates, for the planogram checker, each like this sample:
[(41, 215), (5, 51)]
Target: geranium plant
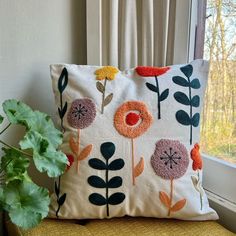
[(26, 202)]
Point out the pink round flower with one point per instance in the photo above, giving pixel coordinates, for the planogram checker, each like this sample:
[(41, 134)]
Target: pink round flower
[(170, 159), (82, 113)]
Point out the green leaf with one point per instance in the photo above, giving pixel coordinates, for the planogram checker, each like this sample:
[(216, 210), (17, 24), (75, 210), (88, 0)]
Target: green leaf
[(115, 182), (45, 157), (63, 80), (164, 95), (43, 124), (116, 198), (97, 199), (62, 199), (195, 102), (107, 149), (152, 87), (1, 119), (18, 113), (180, 81), (195, 119), (182, 117), (195, 84), (97, 164), (182, 98), (96, 181), (116, 164), (15, 165), (27, 203), (187, 70)]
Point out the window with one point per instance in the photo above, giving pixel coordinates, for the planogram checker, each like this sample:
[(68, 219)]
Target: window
[(218, 130)]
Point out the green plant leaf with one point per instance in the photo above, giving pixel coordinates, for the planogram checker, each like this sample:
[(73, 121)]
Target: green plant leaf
[(195, 84), (115, 182), (195, 102), (46, 158), (187, 70), (116, 198), (152, 87), (116, 164), (97, 199), (180, 81), (182, 117), (164, 95), (182, 98), (1, 119), (107, 149), (195, 119), (18, 112), (96, 181), (27, 203), (63, 80), (97, 164), (43, 124), (15, 165), (61, 199)]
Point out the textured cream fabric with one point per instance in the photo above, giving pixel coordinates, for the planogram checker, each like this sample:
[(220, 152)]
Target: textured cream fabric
[(122, 227), (143, 198)]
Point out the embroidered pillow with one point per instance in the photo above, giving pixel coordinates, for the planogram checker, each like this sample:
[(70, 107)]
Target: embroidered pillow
[(131, 139)]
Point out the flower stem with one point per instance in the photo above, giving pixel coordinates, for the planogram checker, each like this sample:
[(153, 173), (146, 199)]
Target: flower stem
[(103, 95), (171, 196), (107, 188), (16, 149), (158, 99), (198, 174), (191, 111), (132, 144), (5, 128), (78, 154)]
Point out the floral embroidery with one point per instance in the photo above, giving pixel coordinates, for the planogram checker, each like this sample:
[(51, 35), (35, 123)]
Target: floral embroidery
[(105, 73), (131, 120), (170, 161), (197, 166), (82, 113), (107, 150), (182, 116), (148, 71)]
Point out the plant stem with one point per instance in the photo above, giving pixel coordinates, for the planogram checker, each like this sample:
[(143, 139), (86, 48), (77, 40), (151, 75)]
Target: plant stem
[(198, 174), (132, 144), (59, 206), (5, 128), (191, 111), (78, 154), (103, 95), (158, 99), (16, 149), (107, 187), (171, 195)]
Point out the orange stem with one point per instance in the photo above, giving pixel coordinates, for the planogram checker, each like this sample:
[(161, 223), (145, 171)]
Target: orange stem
[(171, 195), (133, 177), (78, 143)]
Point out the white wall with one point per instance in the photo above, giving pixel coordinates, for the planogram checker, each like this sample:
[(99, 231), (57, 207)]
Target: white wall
[(34, 34)]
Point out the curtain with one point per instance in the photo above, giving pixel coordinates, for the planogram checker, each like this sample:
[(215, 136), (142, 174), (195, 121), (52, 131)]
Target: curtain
[(137, 32)]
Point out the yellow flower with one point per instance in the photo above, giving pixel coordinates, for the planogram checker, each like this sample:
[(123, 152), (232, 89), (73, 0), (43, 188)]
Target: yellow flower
[(106, 72)]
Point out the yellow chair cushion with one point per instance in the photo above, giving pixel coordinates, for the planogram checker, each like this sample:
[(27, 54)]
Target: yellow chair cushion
[(126, 226)]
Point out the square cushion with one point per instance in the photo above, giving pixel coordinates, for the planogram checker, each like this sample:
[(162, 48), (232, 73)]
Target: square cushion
[(131, 139)]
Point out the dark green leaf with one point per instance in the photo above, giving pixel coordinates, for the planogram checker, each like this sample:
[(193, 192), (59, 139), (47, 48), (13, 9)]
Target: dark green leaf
[(195, 119), (152, 87), (18, 113), (107, 149), (15, 165), (97, 164), (61, 200), (182, 117), (97, 199), (63, 111), (46, 158), (100, 87), (27, 203), (164, 95), (195, 102), (182, 98), (180, 81), (57, 190), (1, 119), (187, 70), (108, 99), (115, 182), (195, 84), (63, 80), (96, 182), (116, 198), (116, 164)]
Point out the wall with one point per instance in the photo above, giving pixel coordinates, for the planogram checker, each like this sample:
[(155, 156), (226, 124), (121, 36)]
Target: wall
[(34, 34)]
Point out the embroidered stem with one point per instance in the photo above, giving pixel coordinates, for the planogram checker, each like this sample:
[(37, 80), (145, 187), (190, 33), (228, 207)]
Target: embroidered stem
[(198, 174), (59, 205), (171, 195), (191, 111), (132, 146), (78, 144), (103, 95), (158, 99), (107, 204)]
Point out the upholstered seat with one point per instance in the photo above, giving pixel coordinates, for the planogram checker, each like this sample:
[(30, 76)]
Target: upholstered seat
[(121, 226)]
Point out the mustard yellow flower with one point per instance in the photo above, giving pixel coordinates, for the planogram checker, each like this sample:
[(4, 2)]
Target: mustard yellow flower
[(106, 72)]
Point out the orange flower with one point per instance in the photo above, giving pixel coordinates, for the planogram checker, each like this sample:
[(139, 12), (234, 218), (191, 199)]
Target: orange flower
[(149, 71), (106, 72), (122, 119), (196, 157)]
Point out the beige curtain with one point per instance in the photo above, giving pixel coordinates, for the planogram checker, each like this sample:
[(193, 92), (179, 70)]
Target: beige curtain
[(137, 32)]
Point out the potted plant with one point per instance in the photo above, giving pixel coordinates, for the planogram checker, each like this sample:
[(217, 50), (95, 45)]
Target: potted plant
[(26, 202)]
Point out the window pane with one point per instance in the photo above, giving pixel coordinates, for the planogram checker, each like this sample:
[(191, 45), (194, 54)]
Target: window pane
[(218, 129)]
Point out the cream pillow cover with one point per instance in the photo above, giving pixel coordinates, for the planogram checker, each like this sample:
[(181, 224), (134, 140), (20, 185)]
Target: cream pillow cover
[(131, 139)]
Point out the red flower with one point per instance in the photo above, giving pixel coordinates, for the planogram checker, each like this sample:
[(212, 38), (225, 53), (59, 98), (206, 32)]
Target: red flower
[(70, 159), (196, 157), (132, 118), (149, 71)]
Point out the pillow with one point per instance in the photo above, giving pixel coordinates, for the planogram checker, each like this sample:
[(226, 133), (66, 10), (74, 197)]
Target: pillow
[(132, 142)]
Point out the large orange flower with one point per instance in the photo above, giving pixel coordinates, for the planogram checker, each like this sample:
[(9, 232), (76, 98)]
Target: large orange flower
[(132, 119)]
